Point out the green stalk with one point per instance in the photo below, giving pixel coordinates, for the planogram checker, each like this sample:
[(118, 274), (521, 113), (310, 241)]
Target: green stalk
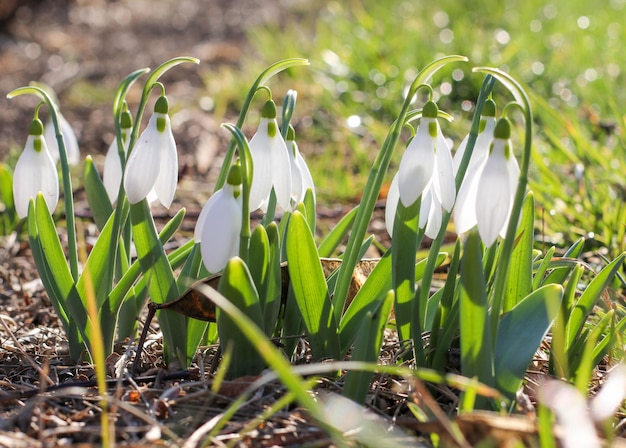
[(65, 172), (498, 292), (374, 183), (431, 263), (260, 81)]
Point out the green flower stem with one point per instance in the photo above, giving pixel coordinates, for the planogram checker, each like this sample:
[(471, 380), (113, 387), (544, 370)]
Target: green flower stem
[(374, 183), (498, 291), (65, 172), (431, 263), (289, 104), (263, 77), (246, 179)]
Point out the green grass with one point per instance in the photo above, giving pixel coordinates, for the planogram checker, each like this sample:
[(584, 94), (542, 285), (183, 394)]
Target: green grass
[(363, 54)]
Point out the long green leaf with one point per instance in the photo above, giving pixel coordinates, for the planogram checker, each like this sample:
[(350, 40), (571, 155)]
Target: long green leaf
[(589, 297), (310, 289), (405, 231), (162, 284), (375, 180), (96, 194), (274, 290), (237, 285), (59, 278), (543, 267), (520, 332), (559, 274), (476, 346), (367, 348), (337, 234), (519, 284)]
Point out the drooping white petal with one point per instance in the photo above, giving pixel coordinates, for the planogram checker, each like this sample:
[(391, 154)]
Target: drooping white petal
[(307, 179), (443, 178), (143, 164), (112, 175), (281, 171), (297, 182), (260, 149), (417, 164), (165, 183), (393, 196), (35, 172), (481, 147), (219, 229), (69, 138), (430, 214), (494, 195), (512, 169), (465, 206)]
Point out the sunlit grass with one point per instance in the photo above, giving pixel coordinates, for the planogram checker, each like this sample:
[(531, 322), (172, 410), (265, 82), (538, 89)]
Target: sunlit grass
[(364, 52)]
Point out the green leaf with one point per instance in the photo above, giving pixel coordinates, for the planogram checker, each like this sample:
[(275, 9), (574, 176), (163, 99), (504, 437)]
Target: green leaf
[(519, 283), (559, 274), (589, 298), (559, 362), (53, 266), (367, 348), (405, 230), (162, 284), (445, 321), (258, 260), (476, 346), (542, 268), (520, 332), (97, 196), (337, 234), (237, 285), (309, 206), (310, 289), (367, 299), (274, 289)]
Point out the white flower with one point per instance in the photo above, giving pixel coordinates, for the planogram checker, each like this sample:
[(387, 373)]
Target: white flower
[(427, 160), (483, 139), (270, 157), (219, 225), (425, 170), (69, 138), (486, 195), (35, 172), (112, 176), (301, 179), (430, 210), (153, 162)]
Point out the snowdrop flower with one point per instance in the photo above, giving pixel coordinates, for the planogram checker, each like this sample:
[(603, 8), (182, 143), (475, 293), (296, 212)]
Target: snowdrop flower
[(270, 158), (426, 161), (425, 170), (69, 137), (219, 224), (153, 162), (430, 218), (301, 179), (112, 176), (35, 172), (486, 195), (483, 139)]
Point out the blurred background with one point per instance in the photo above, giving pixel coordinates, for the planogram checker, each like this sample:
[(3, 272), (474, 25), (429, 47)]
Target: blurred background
[(363, 53)]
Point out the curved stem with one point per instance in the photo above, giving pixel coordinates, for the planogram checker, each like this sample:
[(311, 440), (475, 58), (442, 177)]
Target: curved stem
[(260, 81), (507, 245), (246, 179), (374, 183), (65, 172)]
